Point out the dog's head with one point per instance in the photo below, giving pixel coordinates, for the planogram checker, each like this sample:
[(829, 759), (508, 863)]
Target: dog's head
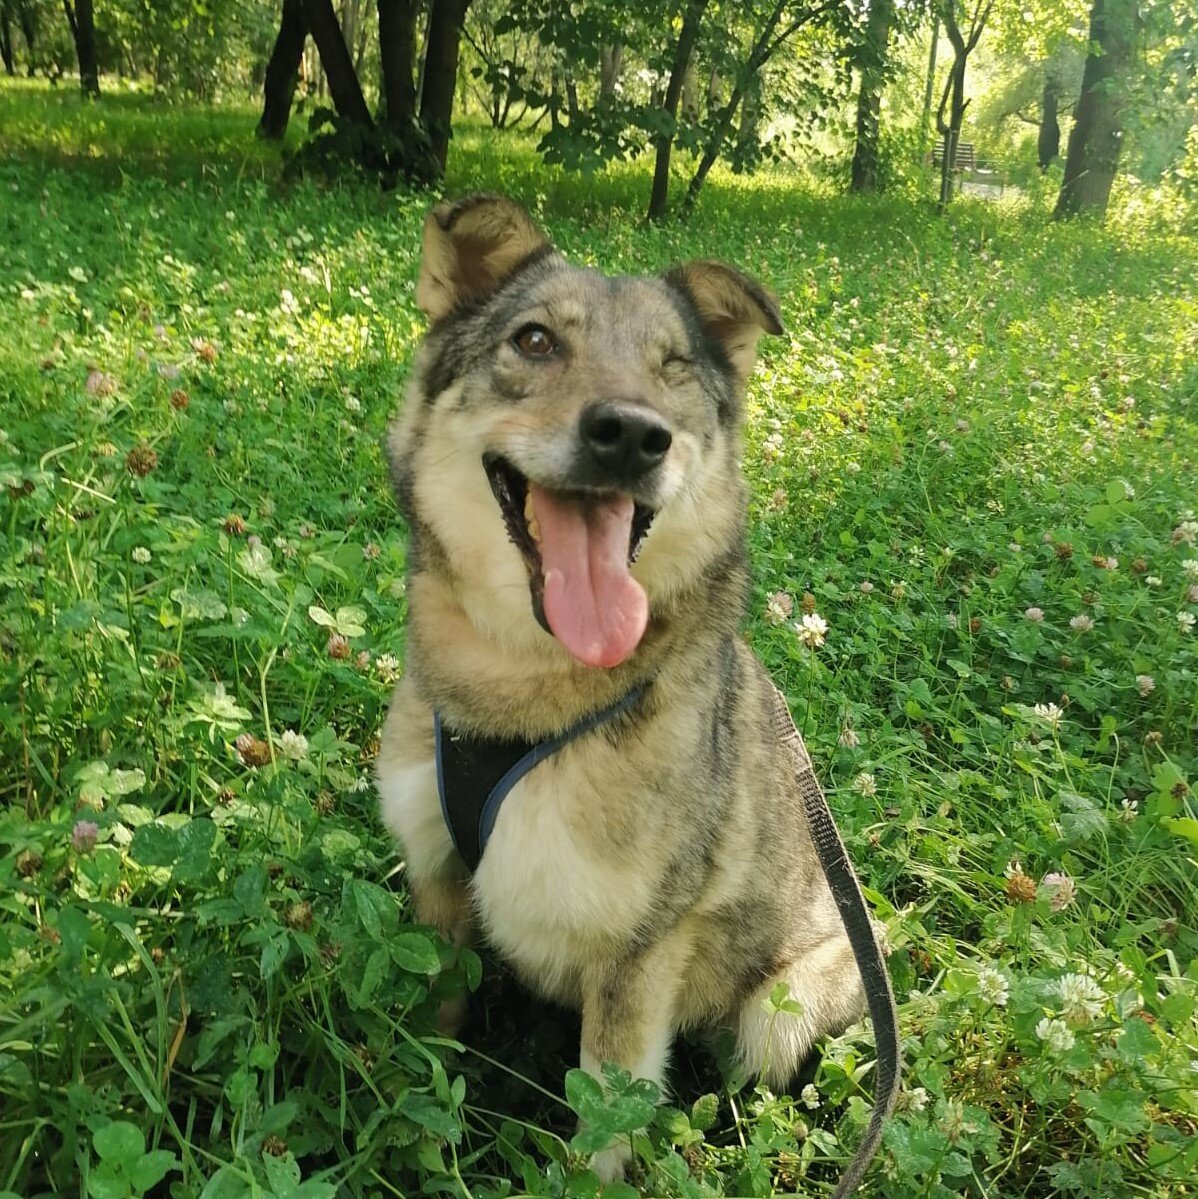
[(570, 441)]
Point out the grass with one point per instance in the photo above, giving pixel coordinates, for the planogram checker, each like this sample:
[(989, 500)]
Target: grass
[(977, 437)]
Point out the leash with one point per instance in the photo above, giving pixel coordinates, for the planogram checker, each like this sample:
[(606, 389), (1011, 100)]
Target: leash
[(846, 891)]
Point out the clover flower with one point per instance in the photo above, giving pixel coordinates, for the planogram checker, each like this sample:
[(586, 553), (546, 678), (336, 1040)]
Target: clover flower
[(1081, 623), (1035, 615), (140, 555), (1186, 622), (293, 745), (1055, 1034), (83, 836), (866, 784), (993, 987), (1060, 890), (1081, 998), (1049, 713), (778, 608), (1146, 685), (812, 630)]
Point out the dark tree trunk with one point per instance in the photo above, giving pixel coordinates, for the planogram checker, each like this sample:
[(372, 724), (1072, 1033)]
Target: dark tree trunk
[(397, 52), (83, 29), (571, 97), (29, 31), (6, 37), (282, 71), (441, 75), (664, 144), (872, 62), (1097, 132), (1048, 142), (338, 66), (925, 124)]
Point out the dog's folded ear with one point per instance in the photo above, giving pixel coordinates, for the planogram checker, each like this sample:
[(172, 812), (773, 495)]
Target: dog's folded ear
[(470, 247), (734, 308)]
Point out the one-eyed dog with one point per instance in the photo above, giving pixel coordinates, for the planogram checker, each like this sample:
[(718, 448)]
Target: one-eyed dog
[(568, 463)]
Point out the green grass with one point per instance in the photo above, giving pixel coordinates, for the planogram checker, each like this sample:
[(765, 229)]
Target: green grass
[(209, 984)]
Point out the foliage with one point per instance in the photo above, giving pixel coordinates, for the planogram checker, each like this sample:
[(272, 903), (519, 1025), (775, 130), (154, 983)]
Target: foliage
[(973, 454)]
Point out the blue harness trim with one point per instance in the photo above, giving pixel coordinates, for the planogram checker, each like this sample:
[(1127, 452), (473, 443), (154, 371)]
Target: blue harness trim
[(476, 774)]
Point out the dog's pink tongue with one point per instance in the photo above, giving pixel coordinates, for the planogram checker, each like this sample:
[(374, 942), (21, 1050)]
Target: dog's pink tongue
[(595, 608)]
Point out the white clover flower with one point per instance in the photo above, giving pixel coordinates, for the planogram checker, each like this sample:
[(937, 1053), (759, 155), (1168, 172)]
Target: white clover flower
[(293, 745), (1056, 1034), (1189, 568), (993, 986), (812, 630), (1060, 890), (866, 586), (950, 619), (779, 607), (1129, 809), (1081, 998), (1081, 623), (1049, 713), (1186, 531), (353, 404), (810, 1096), (848, 736), (1192, 594), (386, 666), (1152, 580), (1146, 685), (1186, 622), (916, 1099), (1035, 615), (1014, 547), (866, 784), (140, 554)]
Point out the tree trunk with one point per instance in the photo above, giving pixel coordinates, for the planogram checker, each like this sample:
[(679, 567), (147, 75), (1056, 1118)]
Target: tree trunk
[(664, 144), (6, 37), (441, 75), (397, 51), (688, 105), (83, 27), (757, 59), (338, 66), (571, 97), (869, 98), (1097, 132), (282, 72), (611, 59), (925, 125), (1048, 142), (951, 132)]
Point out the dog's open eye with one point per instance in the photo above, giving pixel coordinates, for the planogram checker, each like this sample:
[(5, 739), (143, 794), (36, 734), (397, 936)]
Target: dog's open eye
[(534, 341)]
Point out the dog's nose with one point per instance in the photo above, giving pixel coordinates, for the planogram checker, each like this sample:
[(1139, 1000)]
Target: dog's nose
[(625, 440)]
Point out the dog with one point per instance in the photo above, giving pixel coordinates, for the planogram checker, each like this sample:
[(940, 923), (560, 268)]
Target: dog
[(568, 463)]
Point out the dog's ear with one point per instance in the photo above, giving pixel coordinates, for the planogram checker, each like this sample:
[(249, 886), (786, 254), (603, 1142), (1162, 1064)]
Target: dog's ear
[(470, 247), (734, 308)]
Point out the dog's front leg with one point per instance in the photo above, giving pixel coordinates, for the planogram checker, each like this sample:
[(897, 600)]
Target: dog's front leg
[(628, 1018), (444, 902)]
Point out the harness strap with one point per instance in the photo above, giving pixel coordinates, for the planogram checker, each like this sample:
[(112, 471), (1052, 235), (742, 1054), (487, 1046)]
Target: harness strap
[(476, 774), (846, 891)]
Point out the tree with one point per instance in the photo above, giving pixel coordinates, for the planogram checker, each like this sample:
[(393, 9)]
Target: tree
[(441, 75), (81, 18), (1097, 134), (964, 41), (6, 50), (282, 71), (397, 53), (664, 142), (344, 87), (872, 63)]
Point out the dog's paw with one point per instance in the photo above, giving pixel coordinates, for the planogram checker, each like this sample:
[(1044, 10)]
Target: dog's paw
[(451, 1015), (611, 1163)]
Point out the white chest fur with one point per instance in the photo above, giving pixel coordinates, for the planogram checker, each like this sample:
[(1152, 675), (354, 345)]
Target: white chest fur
[(551, 892)]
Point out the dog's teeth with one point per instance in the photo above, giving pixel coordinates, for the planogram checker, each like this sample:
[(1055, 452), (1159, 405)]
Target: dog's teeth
[(534, 529)]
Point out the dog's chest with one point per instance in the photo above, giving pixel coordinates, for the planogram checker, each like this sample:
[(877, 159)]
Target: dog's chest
[(549, 890)]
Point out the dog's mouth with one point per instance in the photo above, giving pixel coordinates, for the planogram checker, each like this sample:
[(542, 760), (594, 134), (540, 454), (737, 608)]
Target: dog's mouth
[(578, 547)]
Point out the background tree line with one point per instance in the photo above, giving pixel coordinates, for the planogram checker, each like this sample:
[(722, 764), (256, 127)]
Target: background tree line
[(683, 84)]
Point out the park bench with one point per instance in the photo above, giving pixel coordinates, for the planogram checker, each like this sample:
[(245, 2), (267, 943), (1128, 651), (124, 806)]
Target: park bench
[(964, 160)]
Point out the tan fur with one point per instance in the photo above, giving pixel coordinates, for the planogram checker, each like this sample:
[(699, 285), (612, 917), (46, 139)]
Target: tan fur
[(660, 877)]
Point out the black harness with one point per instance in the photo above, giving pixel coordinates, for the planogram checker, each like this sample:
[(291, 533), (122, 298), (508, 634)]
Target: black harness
[(475, 775)]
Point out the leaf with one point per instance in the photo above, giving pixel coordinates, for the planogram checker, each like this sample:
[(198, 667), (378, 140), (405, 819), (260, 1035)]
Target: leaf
[(155, 845), (122, 782), (152, 1168), (1183, 826), (199, 605), (120, 1143), (704, 1112), (428, 1113), (373, 906), (372, 975), (195, 841), (322, 618), (351, 621), (256, 561), (1080, 818), (415, 952), (74, 928)]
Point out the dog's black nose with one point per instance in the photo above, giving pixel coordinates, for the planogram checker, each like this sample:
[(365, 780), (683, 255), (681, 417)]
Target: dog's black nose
[(625, 440)]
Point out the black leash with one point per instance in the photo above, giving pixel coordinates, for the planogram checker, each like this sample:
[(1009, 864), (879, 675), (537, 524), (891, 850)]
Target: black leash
[(846, 891)]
